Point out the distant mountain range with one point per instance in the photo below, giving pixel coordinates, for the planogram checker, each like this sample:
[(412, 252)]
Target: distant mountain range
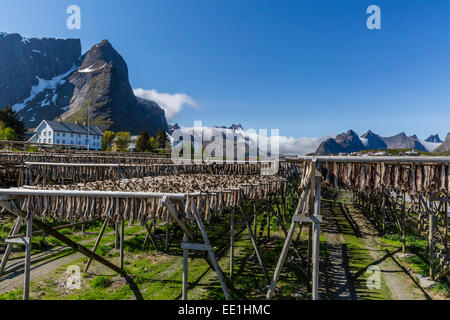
[(47, 79), (350, 142)]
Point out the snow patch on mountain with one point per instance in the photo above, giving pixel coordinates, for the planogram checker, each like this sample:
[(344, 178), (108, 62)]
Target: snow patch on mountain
[(91, 69), (430, 146), (42, 85), (364, 141)]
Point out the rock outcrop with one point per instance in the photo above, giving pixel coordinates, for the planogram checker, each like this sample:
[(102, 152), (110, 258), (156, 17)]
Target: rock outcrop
[(47, 79), (445, 146)]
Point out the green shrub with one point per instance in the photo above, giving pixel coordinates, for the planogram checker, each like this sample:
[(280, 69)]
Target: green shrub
[(100, 282)]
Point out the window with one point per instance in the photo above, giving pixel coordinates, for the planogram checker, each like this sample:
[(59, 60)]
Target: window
[(64, 134), (71, 142), (79, 136), (71, 135), (57, 134), (57, 140)]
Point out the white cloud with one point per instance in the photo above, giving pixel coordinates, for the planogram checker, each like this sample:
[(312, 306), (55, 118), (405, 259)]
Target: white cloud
[(287, 145), (171, 103)]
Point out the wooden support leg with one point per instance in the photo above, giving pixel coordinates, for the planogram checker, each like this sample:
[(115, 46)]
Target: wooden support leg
[(281, 260), (185, 269), (122, 235), (27, 269), (431, 240), (116, 236), (309, 254), (150, 236), (167, 236), (217, 268), (97, 242), (51, 232), (300, 207), (15, 230), (316, 240), (255, 220), (404, 223), (255, 245), (268, 225), (210, 259), (232, 243)]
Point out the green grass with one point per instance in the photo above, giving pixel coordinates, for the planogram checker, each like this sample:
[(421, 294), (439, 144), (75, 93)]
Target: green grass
[(358, 255), (101, 282), (418, 263), (158, 276)]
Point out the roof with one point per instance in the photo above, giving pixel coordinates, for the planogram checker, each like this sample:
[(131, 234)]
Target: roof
[(73, 128)]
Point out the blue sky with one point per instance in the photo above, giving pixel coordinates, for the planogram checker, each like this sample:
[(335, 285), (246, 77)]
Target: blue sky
[(310, 68)]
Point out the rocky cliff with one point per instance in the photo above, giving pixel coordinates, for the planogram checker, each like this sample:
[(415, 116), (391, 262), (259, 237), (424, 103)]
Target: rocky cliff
[(445, 146), (64, 84)]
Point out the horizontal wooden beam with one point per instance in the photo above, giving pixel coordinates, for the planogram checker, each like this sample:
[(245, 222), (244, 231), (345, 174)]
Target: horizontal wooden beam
[(195, 246), (307, 219), (370, 159)]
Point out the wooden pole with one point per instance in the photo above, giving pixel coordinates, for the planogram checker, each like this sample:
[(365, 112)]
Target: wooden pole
[(116, 236), (404, 223), (268, 225), (167, 236), (97, 242), (185, 269), (191, 238), (431, 239), (27, 269), (309, 254), (316, 238), (287, 243), (150, 236), (217, 268), (14, 231), (122, 235), (255, 245), (48, 230), (232, 243), (255, 220), (446, 227), (281, 260)]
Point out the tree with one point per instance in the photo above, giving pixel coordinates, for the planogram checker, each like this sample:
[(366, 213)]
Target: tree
[(107, 141), (122, 140), (8, 134), (162, 139), (11, 119), (143, 142), (153, 143)]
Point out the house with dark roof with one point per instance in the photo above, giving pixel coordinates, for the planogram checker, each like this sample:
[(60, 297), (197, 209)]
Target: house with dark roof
[(70, 134)]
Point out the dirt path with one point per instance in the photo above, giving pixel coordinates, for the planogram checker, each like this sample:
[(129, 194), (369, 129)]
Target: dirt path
[(339, 281), (42, 264), (339, 220), (396, 278)]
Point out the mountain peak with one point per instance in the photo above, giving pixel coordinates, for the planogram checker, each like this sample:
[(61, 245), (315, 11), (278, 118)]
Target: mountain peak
[(59, 82), (445, 146), (434, 138), (236, 127), (350, 142)]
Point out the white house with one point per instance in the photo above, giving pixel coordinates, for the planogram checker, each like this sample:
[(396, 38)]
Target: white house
[(65, 133)]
